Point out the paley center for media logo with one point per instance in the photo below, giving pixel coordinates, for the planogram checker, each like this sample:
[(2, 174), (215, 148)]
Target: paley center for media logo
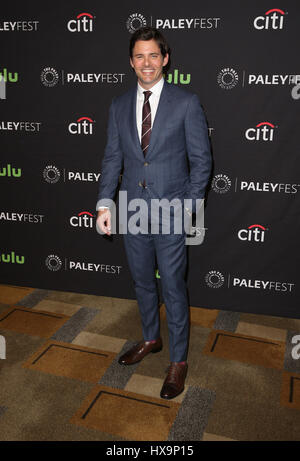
[(52, 175), (221, 184), (216, 279), (228, 78), (50, 77), (137, 20), (82, 23), (55, 263)]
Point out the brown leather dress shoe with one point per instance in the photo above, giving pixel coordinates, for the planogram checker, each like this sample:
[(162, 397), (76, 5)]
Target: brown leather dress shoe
[(139, 351), (174, 382)]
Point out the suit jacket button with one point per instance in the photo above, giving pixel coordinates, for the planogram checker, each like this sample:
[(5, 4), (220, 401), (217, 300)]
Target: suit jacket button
[(146, 164)]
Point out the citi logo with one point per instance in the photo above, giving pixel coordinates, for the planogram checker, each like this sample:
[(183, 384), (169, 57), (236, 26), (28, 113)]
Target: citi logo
[(8, 76), (273, 19), (178, 78), (263, 131), (254, 233), (83, 219), (84, 125), (82, 23), (9, 171), (12, 258)]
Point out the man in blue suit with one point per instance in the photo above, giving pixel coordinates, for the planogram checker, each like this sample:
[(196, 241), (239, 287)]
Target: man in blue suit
[(157, 134)]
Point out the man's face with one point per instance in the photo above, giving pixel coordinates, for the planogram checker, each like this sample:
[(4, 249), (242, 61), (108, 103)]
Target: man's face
[(148, 62)]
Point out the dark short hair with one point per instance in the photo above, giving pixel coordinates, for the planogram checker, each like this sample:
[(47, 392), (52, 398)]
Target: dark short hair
[(149, 33)]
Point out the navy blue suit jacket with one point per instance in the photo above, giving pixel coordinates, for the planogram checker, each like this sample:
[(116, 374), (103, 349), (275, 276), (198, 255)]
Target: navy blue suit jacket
[(178, 160)]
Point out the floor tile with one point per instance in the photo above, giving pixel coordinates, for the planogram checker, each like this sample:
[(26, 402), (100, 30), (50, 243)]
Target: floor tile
[(10, 294), (77, 362), (31, 322), (150, 386), (203, 317), (106, 343), (126, 414), (290, 391), (262, 331), (249, 349), (57, 306)]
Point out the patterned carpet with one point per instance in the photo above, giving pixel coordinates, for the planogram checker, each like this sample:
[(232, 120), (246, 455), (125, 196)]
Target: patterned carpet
[(61, 379)]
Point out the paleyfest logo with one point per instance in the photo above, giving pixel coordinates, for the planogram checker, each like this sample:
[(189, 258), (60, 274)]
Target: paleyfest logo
[(215, 279)]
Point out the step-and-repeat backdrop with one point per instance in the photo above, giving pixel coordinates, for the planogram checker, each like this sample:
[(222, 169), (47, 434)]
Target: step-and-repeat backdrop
[(61, 65)]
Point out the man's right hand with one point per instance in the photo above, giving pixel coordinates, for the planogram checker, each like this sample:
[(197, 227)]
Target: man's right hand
[(104, 221)]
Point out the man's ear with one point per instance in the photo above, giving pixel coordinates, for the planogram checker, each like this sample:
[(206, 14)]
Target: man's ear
[(166, 60), (131, 63)]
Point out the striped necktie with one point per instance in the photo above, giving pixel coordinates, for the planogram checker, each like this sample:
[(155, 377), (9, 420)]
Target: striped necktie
[(146, 123)]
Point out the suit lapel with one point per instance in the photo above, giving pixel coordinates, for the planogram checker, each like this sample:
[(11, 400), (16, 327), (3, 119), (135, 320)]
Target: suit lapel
[(133, 126)]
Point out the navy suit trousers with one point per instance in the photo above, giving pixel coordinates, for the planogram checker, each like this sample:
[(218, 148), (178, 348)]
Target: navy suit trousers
[(145, 253)]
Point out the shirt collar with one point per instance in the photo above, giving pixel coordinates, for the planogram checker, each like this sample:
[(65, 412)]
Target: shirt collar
[(156, 89)]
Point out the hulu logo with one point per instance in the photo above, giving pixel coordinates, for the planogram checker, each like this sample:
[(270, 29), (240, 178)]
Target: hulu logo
[(12, 258), (184, 80), (8, 76), (9, 171)]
